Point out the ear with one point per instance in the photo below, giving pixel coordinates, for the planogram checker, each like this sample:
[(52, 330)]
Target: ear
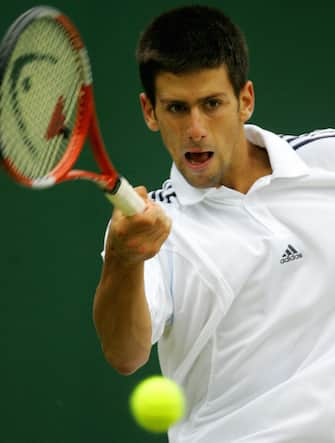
[(148, 113), (247, 101)]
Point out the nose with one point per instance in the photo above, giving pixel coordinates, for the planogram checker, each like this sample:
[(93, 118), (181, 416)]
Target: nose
[(196, 130)]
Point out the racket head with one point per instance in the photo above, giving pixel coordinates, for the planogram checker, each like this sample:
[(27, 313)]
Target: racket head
[(46, 97)]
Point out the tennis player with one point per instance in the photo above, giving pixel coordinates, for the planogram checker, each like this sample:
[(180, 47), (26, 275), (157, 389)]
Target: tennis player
[(231, 266)]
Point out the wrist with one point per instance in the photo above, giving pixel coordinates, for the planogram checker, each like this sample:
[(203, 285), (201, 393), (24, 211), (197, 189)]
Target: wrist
[(122, 265)]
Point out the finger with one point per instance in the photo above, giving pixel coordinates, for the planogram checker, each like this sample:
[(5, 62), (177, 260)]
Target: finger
[(152, 222)]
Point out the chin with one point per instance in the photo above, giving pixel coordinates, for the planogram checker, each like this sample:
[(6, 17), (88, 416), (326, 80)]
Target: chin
[(202, 182)]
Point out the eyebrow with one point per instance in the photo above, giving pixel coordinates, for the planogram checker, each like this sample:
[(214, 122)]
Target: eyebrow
[(166, 100)]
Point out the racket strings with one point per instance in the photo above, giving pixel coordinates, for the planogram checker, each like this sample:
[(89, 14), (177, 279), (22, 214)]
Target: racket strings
[(56, 148), (44, 69)]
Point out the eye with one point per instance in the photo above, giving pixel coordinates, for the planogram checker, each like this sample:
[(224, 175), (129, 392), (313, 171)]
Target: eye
[(212, 104), (177, 108)]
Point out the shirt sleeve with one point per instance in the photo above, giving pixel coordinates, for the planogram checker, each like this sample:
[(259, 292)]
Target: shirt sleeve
[(317, 151), (157, 283), (102, 253)]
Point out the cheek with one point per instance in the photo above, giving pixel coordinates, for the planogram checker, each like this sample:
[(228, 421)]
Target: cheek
[(227, 137), (169, 135), (171, 145), (231, 128)]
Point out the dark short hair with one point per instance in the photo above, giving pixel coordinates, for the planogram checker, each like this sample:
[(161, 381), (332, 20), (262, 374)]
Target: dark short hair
[(188, 39)]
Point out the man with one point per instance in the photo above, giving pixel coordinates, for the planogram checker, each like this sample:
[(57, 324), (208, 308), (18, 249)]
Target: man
[(230, 267)]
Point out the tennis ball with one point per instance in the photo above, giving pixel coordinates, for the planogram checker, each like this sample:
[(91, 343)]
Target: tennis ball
[(157, 403)]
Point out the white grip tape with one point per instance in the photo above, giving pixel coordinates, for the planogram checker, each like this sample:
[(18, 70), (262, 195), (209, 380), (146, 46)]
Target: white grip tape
[(126, 199)]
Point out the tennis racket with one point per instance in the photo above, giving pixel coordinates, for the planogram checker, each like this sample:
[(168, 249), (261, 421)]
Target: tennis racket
[(47, 108)]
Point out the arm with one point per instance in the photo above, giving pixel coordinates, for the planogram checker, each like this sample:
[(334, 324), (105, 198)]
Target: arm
[(120, 310)]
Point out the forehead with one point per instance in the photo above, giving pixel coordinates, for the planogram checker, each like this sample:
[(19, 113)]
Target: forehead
[(192, 85)]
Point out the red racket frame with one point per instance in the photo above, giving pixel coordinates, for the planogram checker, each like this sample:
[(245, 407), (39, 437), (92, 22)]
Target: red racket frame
[(86, 125)]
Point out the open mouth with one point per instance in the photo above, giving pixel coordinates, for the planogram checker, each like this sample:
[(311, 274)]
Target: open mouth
[(198, 158)]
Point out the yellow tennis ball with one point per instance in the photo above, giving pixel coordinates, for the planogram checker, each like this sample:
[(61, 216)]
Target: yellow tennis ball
[(157, 403)]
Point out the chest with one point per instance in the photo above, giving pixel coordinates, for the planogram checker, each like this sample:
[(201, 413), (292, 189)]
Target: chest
[(269, 235)]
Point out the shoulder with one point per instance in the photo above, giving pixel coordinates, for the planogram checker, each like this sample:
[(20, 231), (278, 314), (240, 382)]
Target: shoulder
[(165, 195), (314, 139), (317, 148)]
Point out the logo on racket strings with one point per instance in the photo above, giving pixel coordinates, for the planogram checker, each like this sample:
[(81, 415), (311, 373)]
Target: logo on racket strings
[(56, 125)]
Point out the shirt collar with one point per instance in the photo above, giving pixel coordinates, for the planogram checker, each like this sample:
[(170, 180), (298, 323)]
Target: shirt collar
[(284, 161)]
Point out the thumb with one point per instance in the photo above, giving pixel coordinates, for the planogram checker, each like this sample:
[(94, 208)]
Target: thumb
[(142, 191)]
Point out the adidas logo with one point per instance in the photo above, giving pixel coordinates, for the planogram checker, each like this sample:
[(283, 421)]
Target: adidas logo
[(290, 254)]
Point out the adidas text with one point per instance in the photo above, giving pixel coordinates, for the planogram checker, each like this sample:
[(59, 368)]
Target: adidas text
[(290, 258)]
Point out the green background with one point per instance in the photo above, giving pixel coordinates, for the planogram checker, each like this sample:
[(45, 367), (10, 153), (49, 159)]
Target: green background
[(56, 385)]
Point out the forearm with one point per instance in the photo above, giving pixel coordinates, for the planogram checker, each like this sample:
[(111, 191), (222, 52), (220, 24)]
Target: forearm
[(122, 317), (120, 311)]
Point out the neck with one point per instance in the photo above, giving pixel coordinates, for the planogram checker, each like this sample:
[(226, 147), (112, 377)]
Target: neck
[(252, 166)]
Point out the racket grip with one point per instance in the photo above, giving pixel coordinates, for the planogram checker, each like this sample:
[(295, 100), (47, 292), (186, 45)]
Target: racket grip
[(126, 198)]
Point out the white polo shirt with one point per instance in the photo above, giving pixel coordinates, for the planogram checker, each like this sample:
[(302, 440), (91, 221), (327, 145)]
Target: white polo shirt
[(242, 298)]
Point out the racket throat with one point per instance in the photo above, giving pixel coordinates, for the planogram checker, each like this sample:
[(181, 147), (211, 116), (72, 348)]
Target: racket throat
[(125, 198), (115, 188)]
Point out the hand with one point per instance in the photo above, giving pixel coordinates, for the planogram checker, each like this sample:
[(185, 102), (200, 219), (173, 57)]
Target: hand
[(132, 240)]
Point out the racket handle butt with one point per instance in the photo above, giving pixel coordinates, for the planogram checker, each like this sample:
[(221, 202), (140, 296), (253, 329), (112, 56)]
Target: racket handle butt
[(126, 198)]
